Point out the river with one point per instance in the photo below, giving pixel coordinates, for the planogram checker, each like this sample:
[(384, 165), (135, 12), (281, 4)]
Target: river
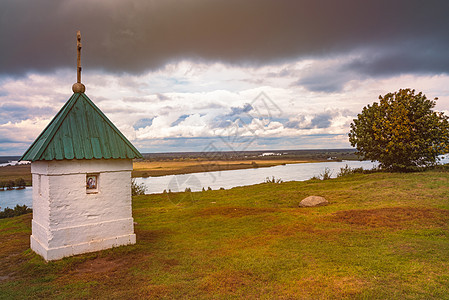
[(12, 198), (233, 178), (216, 180)]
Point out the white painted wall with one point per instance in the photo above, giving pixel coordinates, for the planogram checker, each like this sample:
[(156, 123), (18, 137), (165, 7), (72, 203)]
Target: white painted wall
[(69, 221)]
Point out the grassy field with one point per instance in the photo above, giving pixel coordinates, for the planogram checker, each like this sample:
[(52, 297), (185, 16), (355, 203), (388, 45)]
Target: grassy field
[(383, 236), (15, 172)]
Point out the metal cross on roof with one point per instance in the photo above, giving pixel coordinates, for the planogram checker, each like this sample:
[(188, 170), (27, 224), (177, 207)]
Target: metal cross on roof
[(78, 87), (78, 47)]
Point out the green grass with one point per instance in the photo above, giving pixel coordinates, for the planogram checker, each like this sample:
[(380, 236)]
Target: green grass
[(383, 236)]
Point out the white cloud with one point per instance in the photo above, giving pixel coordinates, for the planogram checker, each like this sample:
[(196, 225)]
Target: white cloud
[(197, 100), (29, 129)]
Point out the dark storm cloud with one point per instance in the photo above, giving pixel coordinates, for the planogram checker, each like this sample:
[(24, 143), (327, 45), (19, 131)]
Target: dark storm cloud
[(425, 58), (296, 123), (179, 120), (328, 82), (292, 124), (7, 140), (162, 97), (240, 110), (17, 113), (221, 123), (133, 36), (237, 114), (142, 123), (322, 120)]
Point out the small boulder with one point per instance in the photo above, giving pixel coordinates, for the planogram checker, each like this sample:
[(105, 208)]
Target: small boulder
[(313, 201)]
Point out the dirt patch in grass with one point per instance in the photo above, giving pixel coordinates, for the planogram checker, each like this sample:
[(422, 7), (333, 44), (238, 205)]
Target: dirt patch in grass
[(5, 278), (234, 212), (15, 239), (226, 282), (151, 235), (109, 270), (13, 243), (102, 276), (99, 265), (393, 217), (338, 287), (286, 230), (154, 291), (234, 245), (169, 263), (275, 233), (7, 229)]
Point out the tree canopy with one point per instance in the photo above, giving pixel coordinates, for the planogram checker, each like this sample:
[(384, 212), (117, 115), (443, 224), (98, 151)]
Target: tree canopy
[(401, 132)]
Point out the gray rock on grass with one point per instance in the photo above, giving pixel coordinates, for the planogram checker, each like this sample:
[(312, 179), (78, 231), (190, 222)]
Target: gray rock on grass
[(313, 201)]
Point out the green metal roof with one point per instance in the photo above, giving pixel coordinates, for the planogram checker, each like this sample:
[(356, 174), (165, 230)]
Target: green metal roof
[(80, 131)]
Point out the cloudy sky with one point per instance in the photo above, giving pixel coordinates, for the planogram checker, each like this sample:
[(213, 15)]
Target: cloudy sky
[(197, 75)]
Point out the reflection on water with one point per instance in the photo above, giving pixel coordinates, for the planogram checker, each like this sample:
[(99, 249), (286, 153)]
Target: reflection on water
[(233, 178), (14, 163), (12, 198)]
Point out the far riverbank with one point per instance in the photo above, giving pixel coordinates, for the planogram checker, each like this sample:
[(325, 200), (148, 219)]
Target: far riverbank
[(175, 163), (223, 179), (163, 168)]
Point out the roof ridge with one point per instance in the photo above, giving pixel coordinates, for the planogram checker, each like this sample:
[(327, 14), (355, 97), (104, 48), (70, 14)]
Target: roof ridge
[(58, 124), (80, 130), (120, 134), (56, 119)]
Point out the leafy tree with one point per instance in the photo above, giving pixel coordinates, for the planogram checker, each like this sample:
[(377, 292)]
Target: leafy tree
[(137, 189), (17, 211), (402, 131), (20, 183), (10, 185)]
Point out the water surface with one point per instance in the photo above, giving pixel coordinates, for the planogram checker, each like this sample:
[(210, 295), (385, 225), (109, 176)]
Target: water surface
[(12, 198), (233, 178), (216, 180)]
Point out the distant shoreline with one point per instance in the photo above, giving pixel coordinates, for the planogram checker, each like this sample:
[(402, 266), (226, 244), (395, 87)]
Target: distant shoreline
[(155, 169), (163, 168), (162, 164)]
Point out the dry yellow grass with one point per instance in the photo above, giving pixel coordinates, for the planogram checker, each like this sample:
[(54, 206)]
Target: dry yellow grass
[(15, 172), (161, 168), (383, 236)]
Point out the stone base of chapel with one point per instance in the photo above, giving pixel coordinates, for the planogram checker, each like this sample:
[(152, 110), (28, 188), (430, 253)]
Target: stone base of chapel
[(95, 244)]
